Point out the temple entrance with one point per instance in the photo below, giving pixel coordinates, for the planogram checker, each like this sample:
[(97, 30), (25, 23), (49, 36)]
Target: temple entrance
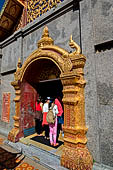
[(50, 62), (42, 79)]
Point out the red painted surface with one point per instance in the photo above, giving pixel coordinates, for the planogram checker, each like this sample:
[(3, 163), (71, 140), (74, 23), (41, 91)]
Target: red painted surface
[(28, 99), (6, 107)]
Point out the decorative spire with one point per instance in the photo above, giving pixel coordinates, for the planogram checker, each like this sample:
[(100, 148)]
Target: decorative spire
[(19, 65), (45, 40), (45, 32)]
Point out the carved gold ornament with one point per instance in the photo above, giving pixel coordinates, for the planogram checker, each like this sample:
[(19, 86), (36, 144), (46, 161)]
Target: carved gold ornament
[(67, 64), (74, 45), (45, 40), (36, 8)]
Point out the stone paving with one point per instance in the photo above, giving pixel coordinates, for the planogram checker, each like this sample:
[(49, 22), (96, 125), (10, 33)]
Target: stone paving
[(38, 158), (45, 158)]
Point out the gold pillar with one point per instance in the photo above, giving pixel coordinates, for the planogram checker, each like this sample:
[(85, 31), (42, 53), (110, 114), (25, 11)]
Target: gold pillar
[(75, 155), (13, 134)]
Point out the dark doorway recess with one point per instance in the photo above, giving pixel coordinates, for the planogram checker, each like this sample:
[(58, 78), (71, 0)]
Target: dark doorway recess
[(44, 76), (50, 88)]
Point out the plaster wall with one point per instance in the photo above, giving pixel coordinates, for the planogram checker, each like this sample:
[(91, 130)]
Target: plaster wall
[(6, 87), (97, 28), (102, 20), (10, 54), (90, 23), (104, 80)]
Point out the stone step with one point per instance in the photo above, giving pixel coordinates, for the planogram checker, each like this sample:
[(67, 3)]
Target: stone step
[(46, 158)]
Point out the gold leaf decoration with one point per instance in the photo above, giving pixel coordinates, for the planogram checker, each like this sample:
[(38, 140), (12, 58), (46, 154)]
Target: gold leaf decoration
[(38, 7)]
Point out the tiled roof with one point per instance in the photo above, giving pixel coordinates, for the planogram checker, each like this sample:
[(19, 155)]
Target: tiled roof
[(10, 13)]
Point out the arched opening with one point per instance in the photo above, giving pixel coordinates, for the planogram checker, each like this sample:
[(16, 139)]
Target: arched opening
[(44, 76), (41, 79)]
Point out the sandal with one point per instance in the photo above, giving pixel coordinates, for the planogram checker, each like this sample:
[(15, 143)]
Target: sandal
[(56, 144)]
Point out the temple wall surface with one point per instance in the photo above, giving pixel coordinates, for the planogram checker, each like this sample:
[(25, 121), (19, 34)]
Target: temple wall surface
[(91, 24)]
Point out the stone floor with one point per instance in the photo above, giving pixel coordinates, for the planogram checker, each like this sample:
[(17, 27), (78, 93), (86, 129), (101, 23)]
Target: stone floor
[(38, 157), (27, 163)]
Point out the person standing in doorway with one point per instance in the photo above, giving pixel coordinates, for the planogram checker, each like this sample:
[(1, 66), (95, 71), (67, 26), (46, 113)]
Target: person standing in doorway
[(53, 126), (44, 122), (38, 117), (59, 117)]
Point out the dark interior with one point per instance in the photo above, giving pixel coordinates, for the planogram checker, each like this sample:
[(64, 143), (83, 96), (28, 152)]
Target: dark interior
[(52, 88), (44, 75)]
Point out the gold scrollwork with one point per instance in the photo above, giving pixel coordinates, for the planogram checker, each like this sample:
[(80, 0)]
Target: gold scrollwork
[(39, 7), (67, 65)]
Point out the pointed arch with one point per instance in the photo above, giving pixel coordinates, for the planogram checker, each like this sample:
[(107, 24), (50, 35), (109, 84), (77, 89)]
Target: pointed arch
[(53, 53)]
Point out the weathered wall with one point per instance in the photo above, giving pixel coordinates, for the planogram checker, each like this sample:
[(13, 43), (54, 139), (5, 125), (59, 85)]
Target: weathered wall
[(6, 87), (104, 73), (91, 113), (97, 28), (102, 20), (90, 23)]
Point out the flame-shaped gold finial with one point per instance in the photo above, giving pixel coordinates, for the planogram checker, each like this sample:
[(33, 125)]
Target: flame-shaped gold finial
[(45, 32), (45, 40)]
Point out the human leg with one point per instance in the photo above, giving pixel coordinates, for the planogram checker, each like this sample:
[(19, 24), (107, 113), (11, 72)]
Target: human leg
[(55, 133), (51, 134), (37, 125), (40, 128), (47, 131), (58, 131)]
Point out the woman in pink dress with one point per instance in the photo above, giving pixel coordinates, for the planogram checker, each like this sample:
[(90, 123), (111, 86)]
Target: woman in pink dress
[(53, 126)]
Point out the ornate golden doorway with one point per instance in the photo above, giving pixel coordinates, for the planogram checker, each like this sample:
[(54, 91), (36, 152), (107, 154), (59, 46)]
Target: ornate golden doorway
[(75, 153)]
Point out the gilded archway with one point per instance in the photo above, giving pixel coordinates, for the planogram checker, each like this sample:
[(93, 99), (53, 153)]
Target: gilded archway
[(75, 153)]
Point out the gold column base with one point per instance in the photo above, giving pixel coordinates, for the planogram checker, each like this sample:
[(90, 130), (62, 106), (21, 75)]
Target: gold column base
[(12, 136), (78, 158)]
